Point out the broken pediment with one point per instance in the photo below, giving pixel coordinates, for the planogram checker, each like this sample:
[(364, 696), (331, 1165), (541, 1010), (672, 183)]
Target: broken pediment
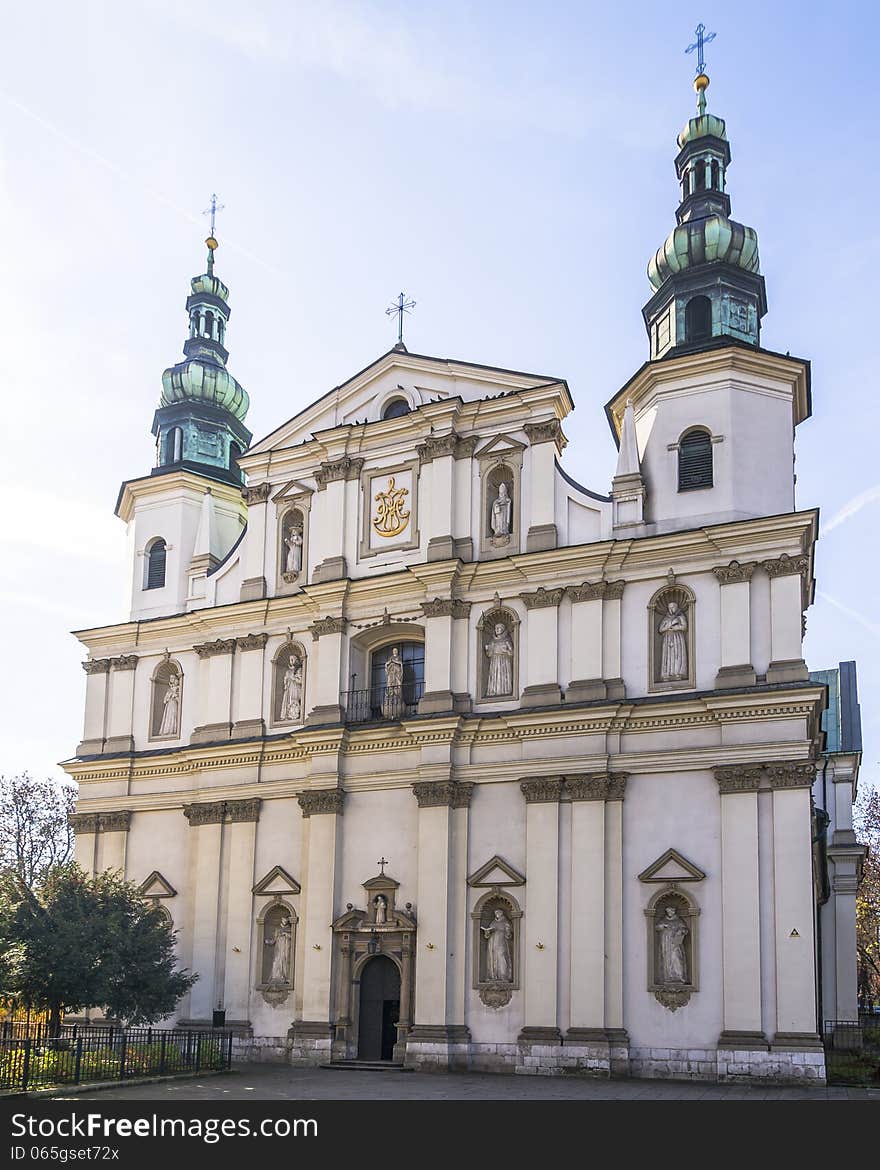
[(672, 867), (278, 883), (496, 872), (156, 886)]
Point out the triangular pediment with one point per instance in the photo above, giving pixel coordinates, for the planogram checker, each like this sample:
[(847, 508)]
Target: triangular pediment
[(496, 872), (381, 882), (277, 882), (672, 867), (500, 445), (291, 490), (156, 886)]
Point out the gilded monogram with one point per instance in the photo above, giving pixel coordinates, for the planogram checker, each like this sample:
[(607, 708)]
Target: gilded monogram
[(391, 518)]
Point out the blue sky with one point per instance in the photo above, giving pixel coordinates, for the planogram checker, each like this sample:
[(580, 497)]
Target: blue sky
[(508, 165)]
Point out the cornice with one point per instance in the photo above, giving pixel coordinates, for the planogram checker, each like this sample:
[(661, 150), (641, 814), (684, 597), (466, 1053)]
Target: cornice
[(177, 484)]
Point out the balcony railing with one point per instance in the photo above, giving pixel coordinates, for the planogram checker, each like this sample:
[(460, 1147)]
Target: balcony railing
[(381, 703)]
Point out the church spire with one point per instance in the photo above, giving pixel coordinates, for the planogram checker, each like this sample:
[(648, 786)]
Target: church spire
[(706, 275)]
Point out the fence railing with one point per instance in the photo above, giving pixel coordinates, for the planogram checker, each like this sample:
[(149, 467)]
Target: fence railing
[(378, 703), (852, 1051), (89, 1054)]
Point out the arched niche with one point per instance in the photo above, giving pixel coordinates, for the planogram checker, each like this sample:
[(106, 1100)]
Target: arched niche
[(500, 461), (501, 505), (166, 704), (289, 683), (293, 529), (368, 652), (671, 640), (498, 653), (496, 919), (276, 951), (672, 946)]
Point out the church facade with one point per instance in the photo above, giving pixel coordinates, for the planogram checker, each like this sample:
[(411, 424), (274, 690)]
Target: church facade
[(433, 755)]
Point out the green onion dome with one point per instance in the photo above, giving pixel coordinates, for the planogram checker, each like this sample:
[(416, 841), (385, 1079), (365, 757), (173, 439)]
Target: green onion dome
[(701, 241), (200, 381)]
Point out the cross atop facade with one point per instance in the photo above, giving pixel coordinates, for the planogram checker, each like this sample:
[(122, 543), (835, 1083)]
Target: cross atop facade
[(703, 38), (381, 864), (212, 211), (400, 306)]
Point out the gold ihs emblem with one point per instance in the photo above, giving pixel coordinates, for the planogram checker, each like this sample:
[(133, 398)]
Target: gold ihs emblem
[(391, 518)]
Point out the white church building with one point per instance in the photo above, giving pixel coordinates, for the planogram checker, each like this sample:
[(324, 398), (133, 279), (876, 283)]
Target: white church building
[(433, 755)]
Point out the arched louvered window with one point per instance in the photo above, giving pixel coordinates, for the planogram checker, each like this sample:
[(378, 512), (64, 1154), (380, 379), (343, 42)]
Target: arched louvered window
[(698, 319), (695, 461), (155, 575)]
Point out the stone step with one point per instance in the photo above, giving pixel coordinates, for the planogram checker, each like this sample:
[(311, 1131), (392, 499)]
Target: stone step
[(365, 1066)]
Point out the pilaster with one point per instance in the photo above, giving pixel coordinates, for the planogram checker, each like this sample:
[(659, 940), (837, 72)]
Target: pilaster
[(248, 698), (253, 586), (542, 678), (541, 941), (546, 441), (120, 714), (95, 723), (736, 668)]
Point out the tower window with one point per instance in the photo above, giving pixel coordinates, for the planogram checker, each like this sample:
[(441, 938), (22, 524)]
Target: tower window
[(209, 324), (173, 445), (396, 408), (695, 461), (234, 452), (155, 575), (716, 175), (701, 175), (698, 319)]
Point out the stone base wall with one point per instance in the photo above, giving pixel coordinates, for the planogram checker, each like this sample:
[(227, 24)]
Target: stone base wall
[(428, 1056), (260, 1049), (778, 1066)]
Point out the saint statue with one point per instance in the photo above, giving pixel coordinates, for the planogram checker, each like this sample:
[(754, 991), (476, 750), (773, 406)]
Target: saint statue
[(499, 964), (294, 542), (673, 963), (673, 637), (171, 707), (392, 701), (381, 904), (291, 696), (502, 507), (499, 650), (280, 972)]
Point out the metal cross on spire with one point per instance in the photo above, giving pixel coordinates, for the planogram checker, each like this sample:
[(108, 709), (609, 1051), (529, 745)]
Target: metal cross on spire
[(400, 306), (381, 864), (212, 211), (703, 38)]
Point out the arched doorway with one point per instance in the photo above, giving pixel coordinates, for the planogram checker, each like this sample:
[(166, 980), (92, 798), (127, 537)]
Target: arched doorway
[(379, 1009)]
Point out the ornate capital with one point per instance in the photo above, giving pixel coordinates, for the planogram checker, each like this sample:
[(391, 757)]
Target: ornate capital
[(327, 625), (791, 774), (733, 778), (321, 800), (258, 494), (596, 786), (546, 432), (215, 812), (730, 574), (614, 590), (252, 641), (542, 789), (542, 598), (243, 810), (786, 566), (219, 646), (124, 662), (336, 469), (83, 823), (436, 446), (750, 777), (443, 794), (96, 666), (464, 448), (446, 607), (587, 592), (101, 822)]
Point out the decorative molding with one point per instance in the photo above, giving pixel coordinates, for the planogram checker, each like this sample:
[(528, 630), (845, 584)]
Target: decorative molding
[(322, 800), (653, 873), (596, 786), (345, 468), (542, 789), (124, 662), (277, 873), (96, 665), (252, 641), (258, 494), (786, 566), (734, 778), (443, 793), (327, 625), (464, 448), (734, 572), (219, 646), (672, 998), (436, 447), (609, 590), (446, 607), (219, 812), (795, 774), (157, 886), (546, 432), (614, 590), (485, 876), (542, 598), (102, 822), (496, 995)]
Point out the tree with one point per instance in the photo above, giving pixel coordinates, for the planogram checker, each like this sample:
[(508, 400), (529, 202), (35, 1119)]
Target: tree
[(80, 942), (867, 822), (34, 830)]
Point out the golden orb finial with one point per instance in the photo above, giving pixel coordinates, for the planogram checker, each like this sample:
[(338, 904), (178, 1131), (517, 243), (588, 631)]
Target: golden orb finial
[(701, 82), (211, 243)]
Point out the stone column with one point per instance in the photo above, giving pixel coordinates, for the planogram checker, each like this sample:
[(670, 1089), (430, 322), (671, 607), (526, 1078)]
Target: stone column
[(540, 1034), (618, 1041), (329, 530), (546, 442), (326, 688), (787, 576), (735, 668), (322, 811), (253, 585), (742, 1032), (439, 1039), (205, 883), (845, 856), (120, 715), (542, 641), (439, 615), (95, 726), (438, 451), (586, 674), (611, 639), (215, 678), (248, 700), (239, 847)]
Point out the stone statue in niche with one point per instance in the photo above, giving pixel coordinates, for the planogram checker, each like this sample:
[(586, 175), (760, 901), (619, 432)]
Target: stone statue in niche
[(499, 651), (498, 935), (291, 695), (392, 700), (293, 560), (673, 644), (381, 904), (673, 930), (279, 972), (170, 723), (501, 514)]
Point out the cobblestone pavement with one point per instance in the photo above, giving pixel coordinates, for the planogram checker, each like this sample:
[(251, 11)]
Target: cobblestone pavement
[(262, 1082)]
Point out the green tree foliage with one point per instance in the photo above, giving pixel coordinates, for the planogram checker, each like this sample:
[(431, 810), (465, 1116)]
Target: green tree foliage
[(867, 824), (80, 942), (34, 830)]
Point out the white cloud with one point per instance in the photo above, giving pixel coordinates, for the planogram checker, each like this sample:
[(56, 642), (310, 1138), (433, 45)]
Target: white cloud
[(851, 508), (872, 627)]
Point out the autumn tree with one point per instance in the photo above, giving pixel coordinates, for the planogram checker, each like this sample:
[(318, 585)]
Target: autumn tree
[(867, 825), (34, 829)]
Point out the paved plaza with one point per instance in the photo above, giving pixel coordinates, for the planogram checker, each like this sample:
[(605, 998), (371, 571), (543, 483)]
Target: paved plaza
[(263, 1082)]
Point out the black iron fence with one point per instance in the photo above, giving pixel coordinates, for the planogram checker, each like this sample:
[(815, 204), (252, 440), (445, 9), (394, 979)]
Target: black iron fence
[(85, 1054), (378, 703), (852, 1051)]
